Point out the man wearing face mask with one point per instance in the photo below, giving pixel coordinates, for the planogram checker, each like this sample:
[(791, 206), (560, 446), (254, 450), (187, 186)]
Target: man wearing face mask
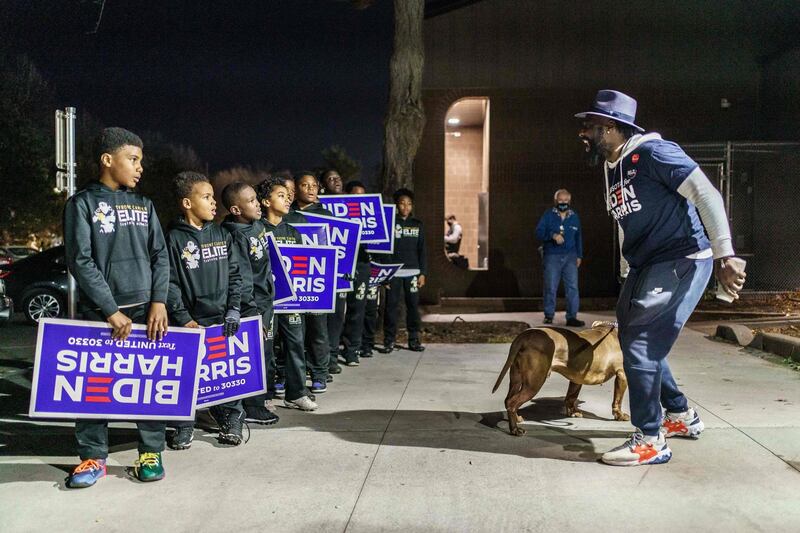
[(673, 233), (559, 229)]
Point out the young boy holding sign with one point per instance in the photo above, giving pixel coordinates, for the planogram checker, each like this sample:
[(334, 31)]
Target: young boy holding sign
[(274, 199), (115, 250), (250, 238), (205, 287)]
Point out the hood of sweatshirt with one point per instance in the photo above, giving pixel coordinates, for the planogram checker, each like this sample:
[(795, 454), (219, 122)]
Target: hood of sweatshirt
[(232, 225), (630, 145), (180, 224)]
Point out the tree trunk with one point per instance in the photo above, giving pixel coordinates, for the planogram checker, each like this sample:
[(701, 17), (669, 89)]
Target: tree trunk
[(405, 117)]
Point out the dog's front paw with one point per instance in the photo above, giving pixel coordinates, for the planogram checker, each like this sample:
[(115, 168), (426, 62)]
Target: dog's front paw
[(575, 414), (517, 432), (621, 417)]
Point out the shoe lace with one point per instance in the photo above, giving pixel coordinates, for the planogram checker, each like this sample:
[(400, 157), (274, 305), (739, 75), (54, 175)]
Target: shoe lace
[(88, 464), (148, 459), (635, 439)]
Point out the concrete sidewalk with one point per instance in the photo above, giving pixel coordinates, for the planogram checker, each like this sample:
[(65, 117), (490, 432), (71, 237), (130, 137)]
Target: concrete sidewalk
[(417, 442)]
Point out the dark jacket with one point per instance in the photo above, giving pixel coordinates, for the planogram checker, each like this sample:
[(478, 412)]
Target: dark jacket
[(569, 228), (204, 279), (284, 233), (258, 287), (409, 244), (115, 248), (295, 217)]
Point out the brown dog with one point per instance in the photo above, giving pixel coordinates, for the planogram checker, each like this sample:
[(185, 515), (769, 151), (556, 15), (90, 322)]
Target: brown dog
[(588, 357)]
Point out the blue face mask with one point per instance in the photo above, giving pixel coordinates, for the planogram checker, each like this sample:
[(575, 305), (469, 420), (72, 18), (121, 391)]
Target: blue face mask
[(563, 207)]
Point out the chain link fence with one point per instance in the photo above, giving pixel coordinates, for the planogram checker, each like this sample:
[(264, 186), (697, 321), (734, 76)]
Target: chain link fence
[(760, 184)]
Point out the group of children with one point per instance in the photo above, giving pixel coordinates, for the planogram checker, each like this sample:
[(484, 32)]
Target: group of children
[(204, 274)]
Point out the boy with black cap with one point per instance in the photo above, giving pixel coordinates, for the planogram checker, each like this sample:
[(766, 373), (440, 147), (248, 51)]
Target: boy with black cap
[(205, 287), (250, 239), (409, 249), (116, 251), (273, 196)]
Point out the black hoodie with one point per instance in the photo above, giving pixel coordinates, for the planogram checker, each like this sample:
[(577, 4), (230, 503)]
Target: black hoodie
[(409, 244), (115, 248), (251, 245), (204, 279), (284, 233)]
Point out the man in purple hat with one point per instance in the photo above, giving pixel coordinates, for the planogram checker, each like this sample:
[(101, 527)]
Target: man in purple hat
[(673, 232)]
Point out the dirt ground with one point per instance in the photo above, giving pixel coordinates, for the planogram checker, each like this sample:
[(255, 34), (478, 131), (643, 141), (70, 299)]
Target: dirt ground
[(786, 302), (789, 329), (467, 332)]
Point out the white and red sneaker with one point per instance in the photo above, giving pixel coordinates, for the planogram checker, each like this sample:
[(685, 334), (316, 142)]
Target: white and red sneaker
[(686, 424), (639, 450)]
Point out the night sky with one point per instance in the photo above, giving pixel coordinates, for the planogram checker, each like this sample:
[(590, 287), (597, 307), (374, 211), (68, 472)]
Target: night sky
[(259, 82)]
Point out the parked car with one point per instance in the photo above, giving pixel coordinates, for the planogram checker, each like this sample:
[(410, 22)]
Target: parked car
[(38, 284), (16, 252), (6, 305)]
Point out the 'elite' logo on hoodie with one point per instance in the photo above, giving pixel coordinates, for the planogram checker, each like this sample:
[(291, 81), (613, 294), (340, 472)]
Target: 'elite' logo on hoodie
[(104, 214)]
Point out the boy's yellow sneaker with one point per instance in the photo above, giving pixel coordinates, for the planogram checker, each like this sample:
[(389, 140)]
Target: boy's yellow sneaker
[(149, 467)]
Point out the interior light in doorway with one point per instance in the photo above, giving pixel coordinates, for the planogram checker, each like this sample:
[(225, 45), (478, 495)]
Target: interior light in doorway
[(453, 121)]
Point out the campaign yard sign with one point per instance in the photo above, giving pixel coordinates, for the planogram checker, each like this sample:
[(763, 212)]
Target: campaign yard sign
[(380, 274), (81, 372), (345, 235), (388, 246), (232, 367), (283, 284), (366, 208), (313, 234), (312, 270)]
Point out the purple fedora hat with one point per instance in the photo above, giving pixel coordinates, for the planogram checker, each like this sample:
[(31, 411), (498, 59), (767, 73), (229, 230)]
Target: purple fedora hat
[(615, 105)]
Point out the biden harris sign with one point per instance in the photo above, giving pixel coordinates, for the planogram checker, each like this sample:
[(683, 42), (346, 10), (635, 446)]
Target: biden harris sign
[(365, 208), (81, 372), (312, 270)]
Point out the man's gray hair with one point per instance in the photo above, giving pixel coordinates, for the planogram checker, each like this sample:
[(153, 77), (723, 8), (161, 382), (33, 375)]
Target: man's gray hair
[(560, 191)]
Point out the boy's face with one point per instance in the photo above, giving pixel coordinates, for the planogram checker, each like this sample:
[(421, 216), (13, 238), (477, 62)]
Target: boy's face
[(358, 190), (290, 191), (333, 183), (201, 202), (404, 206), (278, 201), (247, 205), (307, 189), (124, 166)]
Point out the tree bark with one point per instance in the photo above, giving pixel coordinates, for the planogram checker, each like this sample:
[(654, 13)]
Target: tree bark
[(405, 117)]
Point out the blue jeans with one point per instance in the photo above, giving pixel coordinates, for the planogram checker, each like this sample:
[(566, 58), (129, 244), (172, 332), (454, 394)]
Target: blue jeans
[(654, 304), (556, 268)]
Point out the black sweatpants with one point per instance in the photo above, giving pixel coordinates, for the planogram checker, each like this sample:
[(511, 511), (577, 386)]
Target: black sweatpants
[(317, 345), (397, 288), (371, 317), (92, 435), (290, 334), (354, 317), (335, 324)]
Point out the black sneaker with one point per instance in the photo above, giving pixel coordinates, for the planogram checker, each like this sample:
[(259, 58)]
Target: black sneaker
[(575, 323), (387, 348), (231, 431), (367, 351), (220, 417), (182, 438), (258, 414), (415, 346), (334, 369), (548, 320), (328, 379), (351, 358)]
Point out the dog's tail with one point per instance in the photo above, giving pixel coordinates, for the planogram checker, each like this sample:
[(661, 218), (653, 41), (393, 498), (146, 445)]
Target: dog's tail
[(512, 356)]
